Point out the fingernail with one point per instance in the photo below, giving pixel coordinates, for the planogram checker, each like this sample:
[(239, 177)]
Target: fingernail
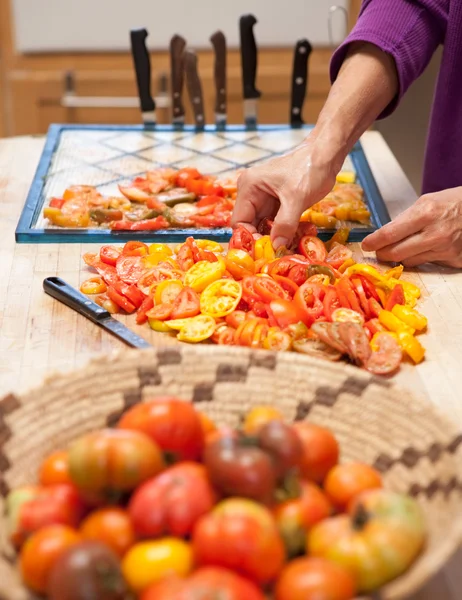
[(280, 241)]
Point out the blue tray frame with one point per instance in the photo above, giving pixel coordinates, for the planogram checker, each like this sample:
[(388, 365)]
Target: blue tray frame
[(26, 233)]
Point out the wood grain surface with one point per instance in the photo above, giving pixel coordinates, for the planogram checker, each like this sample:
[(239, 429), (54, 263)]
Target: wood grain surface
[(39, 336)]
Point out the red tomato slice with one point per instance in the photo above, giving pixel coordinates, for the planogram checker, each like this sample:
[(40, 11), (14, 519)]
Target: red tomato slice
[(145, 225), (369, 288), (298, 274), (396, 297), (331, 302), (208, 201), (120, 300), (107, 272), (268, 289), (313, 248), (184, 174), (90, 259), (56, 203), (308, 299), (212, 220), (249, 293), (109, 255), (260, 309), (345, 285), (374, 307), (286, 313), (135, 248), (242, 239), (187, 304), (287, 284), (374, 326), (148, 304), (358, 287), (338, 255), (130, 268), (131, 292), (161, 312), (237, 271)]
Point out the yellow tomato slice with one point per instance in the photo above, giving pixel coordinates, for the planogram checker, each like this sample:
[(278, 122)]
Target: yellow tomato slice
[(160, 248), (221, 298), (264, 248), (159, 326), (94, 285), (194, 329), (242, 259), (209, 245), (203, 273), (347, 315), (167, 291)]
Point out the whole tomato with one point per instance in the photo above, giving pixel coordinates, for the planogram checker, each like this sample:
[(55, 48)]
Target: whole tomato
[(240, 535), (345, 482), (55, 469), (148, 562), (320, 451), (295, 517), (207, 583), (41, 551), (86, 570), (259, 416), (315, 579), (113, 460), (208, 426), (283, 444), (172, 502), (172, 423), (30, 508), (111, 526)]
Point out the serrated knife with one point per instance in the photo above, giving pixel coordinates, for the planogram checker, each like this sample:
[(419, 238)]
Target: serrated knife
[(177, 47), (249, 69), (218, 41), (65, 293), (302, 53), (142, 64), (194, 86)]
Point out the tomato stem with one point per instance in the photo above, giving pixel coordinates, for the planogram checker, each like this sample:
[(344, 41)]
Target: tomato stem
[(360, 518)]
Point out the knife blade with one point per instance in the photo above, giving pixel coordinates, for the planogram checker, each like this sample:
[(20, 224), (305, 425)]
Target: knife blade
[(219, 44), (142, 64), (177, 46), (249, 69), (302, 53), (194, 86), (65, 293)]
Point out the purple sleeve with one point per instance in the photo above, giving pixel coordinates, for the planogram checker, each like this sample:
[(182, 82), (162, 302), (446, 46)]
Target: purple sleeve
[(408, 30)]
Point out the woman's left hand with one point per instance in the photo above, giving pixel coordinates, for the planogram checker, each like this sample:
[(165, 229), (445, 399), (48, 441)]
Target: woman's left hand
[(428, 231)]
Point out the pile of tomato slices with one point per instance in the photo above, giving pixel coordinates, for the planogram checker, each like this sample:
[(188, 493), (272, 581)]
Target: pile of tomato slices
[(170, 505), (314, 299)]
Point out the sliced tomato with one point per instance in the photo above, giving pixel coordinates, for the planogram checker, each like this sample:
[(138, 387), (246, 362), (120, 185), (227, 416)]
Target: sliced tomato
[(94, 285), (56, 202), (120, 300), (135, 248), (268, 289), (242, 239), (185, 257), (224, 336), (187, 304), (313, 248), (277, 340), (260, 309), (237, 271), (167, 291), (361, 294), (155, 224), (148, 304), (346, 315), (109, 255), (286, 312), (374, 326), (338, 255), (344, 284), (331, 302), (369, 288), (130, 268), (90, 258), (130, 291), (161, 312), (396, 297), (107, 272), (374, 307), (308, 300), (244, 333), (298, 274), (235, 318), (221, 220), (289, 286), (184, 174)]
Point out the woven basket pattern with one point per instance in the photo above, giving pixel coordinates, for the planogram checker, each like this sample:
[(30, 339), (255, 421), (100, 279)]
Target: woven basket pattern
[(416, 448)]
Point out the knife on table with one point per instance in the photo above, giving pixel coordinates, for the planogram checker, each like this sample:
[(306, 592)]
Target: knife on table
[(249, 69), (302, 53), (219, 44), (177, 46), (143, 75), (194, 86), (65, 293)]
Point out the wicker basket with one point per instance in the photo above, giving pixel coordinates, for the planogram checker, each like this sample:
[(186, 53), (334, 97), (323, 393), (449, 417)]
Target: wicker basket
[(417, 450)]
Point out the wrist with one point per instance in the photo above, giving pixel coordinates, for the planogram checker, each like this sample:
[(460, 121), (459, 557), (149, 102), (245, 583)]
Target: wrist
[(327, 147)]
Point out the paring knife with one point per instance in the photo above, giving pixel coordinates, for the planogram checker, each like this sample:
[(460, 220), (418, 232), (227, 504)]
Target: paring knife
[(177, 46), (219, 44), (65, 293), (194, 88), (143, 75), (302, 53), (249, 69)]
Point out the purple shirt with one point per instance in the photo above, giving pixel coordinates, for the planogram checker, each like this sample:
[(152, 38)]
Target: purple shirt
[(411, 30)]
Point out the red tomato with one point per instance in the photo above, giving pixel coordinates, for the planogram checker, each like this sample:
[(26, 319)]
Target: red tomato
[(313, 248), (172, 423), (242, 239), (109, 255), (236, 318), (320, 450), (186, 304), (268, 289), (308, 301), (107, 272), (374, 326), (161, 312), (310, 578), (120, 300), (345, 286), (240, 535), (361, 294), (135, 248), (289, 286), (287, 313), (147, 305), (55, 469), (111, 526), (131, 292), (338, 255), (249, 293), (344, 482), (184, 174), (220, 220), (172, 502), (396, 297), (56, 202), (130, 268), (155, 224), (369, 288), (207, 583), (331, 302)]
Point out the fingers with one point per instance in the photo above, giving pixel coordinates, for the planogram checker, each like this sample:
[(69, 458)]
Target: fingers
[(406, 224), (407, 248), (420, 259), (286, 223), (252, 204)]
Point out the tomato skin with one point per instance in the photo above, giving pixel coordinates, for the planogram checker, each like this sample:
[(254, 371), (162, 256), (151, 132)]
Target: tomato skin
[(308, 301), (55, 469), (287, 313), (130, 268), (146, 306), (396, 297), (135, 248), (311, 578), (111, 526), (313, 249), (242, 239), (235, 318), (320, 451), (113, 460), (109, 255), (120, 300), (172, 423), (344, 482), (218, 536), (41, 551), (259, 416), (172, 502)]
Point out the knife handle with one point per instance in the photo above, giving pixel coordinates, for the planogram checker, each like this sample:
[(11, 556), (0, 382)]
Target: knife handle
[(177, 46), (65, 293), (248, 57), (194, 86), (302, 53), (142, 68), (219, 44)]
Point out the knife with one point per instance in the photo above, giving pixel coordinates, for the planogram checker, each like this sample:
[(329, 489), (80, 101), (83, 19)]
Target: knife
[(62, 291), (143, 75), (194, 86), (302, 53), (249, 69), (177, 46), (219, 44)]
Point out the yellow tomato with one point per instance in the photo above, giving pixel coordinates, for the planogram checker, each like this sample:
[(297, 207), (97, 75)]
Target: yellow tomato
[(94, 285), (160, 249), (264, 248), (411, 346), (210, 246), (347, 315), (167, 291), (392, 323), (57, 217), (203, 273), (259, 416), (346, 177), (221, 298), (147, 562), (411, 317), (193, 329), (241, 258), (159, 326)]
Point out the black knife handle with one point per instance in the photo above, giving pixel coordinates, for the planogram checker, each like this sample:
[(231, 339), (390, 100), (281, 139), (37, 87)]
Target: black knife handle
[(177, 46), (142, 64), (248, 57), (302, 53), (65, 293), (219, 44), (194, 86)]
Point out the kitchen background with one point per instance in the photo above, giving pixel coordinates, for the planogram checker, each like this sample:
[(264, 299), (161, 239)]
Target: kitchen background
[(45, 43)]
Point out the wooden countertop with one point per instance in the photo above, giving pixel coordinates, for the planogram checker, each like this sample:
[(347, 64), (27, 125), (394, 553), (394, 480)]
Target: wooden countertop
[(39, 335)]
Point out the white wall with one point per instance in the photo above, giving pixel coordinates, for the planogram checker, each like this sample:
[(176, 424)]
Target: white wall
[(91, 25)]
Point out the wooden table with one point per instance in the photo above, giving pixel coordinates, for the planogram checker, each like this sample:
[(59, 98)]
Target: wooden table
[(39, 335)]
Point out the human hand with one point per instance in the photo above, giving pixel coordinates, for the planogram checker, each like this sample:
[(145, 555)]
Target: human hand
[(428, 231), (283, 188)]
